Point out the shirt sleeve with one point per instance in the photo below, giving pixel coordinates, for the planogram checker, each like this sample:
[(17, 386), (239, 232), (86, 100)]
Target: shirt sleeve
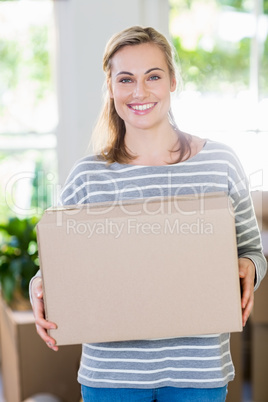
[(76, 186), (249, 243)]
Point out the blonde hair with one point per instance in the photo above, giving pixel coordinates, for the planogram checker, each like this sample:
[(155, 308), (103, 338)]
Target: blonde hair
[(109, 132)]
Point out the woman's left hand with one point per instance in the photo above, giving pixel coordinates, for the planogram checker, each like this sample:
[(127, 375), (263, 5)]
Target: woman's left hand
[(247, 278)]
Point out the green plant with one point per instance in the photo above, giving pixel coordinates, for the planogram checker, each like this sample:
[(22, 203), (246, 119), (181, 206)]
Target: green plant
[(18, 256)]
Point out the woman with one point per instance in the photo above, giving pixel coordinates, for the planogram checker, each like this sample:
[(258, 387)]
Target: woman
[(141, 153)]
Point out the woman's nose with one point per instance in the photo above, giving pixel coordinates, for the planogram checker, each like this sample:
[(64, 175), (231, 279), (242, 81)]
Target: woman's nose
[(140, 90)]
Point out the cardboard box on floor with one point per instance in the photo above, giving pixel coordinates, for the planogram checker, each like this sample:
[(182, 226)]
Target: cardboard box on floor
[(141, 270), (260, 362), (29, 367), (259, 347), (260, 202), (235, 386), (260, 309)]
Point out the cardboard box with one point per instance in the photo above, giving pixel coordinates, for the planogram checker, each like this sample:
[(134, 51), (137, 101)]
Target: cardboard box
[(235, 386), (260, 202), (29, 367), (260, 362), (264, 238), (141, 270), (260, 309)]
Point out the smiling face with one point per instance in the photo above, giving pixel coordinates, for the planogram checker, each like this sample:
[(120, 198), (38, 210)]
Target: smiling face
[(140, 86)]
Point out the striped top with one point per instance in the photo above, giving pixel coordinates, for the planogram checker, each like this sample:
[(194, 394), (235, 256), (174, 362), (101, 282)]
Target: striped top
[(200, 361)]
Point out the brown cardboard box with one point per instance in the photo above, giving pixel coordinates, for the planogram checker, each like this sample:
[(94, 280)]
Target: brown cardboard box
[(259, 316), (264, 238), (260, 362), (260, 309), (235, 386), (259, 349), (260, 202), (141, 270), (29, 367)]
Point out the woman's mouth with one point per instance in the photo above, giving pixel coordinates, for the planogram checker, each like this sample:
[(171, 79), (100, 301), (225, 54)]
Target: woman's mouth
[(142, 107)]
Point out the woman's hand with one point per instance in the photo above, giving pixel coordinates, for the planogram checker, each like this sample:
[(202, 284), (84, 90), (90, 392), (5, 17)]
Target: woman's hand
[(42, 325), (247, 279)]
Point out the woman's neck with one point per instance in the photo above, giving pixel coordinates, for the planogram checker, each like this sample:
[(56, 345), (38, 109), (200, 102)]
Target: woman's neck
[(153, 147)]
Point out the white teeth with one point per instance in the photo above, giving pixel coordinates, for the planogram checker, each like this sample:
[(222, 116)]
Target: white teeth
[(142, 107)]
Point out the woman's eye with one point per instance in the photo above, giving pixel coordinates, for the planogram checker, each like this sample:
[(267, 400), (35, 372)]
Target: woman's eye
[(125, 80), (154, 77)]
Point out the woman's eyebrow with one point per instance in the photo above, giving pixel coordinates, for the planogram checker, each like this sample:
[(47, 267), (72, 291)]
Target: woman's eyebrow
[(152, 69), (124, 73), (146, 72)]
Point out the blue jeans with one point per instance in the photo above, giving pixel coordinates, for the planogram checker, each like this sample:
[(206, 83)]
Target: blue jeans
[(165, 394)]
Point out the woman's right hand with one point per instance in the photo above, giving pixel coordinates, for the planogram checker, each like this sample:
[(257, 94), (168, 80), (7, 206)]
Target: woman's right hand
[(42, 325)]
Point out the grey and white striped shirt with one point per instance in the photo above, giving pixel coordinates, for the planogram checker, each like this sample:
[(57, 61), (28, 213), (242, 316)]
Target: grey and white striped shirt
[(201, 361)]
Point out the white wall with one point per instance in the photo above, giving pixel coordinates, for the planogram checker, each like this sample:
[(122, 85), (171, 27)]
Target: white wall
[(82, 30)]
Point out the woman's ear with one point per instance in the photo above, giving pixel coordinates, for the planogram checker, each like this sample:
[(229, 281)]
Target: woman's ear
[(173, 84)]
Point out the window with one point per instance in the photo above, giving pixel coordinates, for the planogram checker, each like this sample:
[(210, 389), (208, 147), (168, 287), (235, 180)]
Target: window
[(28, 111), (223, 51)]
